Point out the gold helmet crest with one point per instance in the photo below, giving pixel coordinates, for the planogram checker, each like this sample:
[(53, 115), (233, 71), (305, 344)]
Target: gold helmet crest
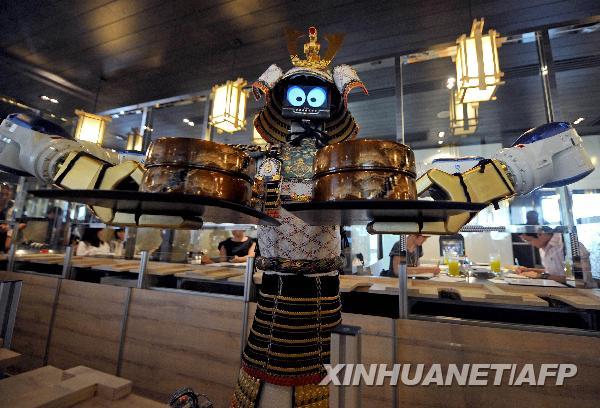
[(312, 48)]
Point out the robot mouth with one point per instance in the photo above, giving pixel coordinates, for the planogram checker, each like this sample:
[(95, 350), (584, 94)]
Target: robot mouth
[(306, 111)]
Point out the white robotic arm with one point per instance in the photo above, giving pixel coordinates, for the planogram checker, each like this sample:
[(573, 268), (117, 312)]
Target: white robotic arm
[(36, 147), (550, 155)]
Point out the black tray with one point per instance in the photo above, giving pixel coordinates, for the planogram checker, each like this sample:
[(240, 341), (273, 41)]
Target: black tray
[(357, 212), (208, 208)]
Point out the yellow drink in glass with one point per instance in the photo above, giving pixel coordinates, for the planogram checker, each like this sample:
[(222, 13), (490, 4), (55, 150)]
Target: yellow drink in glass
[(495, 265), (453, 267)]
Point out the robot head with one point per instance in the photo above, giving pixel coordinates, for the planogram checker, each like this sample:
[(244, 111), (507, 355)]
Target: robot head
[(306, 97), (309, 94), (306, 102)]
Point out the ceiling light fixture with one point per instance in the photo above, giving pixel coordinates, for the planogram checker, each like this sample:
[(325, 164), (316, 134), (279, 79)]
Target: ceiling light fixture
[(441, 134), (47, 98), (464, 117), (478, 72), (578, 121), (229, 106), (186, 120), (440, 142), (450, 82), (90, 127), (135, 140)]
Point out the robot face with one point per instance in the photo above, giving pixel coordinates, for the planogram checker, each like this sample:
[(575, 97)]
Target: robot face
[(306, 102)]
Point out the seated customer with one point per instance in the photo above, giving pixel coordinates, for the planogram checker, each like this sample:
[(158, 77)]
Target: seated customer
[(118, 243), (552, 253), (237, 248), (92, 244), (414, 252)]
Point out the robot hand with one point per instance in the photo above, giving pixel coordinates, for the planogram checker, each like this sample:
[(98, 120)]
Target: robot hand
[(550, 155)]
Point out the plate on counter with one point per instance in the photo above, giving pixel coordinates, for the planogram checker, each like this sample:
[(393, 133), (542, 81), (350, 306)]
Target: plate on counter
[(534, 282)]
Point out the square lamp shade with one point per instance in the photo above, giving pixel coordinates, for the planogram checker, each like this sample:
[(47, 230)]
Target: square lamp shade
[(90, 127), (464, 117), (229, 106), (478, 72), (135, 141)]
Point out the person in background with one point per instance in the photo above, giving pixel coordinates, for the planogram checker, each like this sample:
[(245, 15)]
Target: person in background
[(117, 245), (6, 194), (552, 253), (92, 244), (414, 251), (5, 229), (55, 230), (237, 248), (532, 218)]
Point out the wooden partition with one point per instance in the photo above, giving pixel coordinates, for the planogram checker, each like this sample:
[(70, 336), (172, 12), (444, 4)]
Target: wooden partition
[(87, 326), (376, 341), (444, 343), (175, 339), (33, 318)]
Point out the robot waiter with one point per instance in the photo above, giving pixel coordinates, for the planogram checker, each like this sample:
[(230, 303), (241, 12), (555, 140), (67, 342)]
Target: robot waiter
[(299, 304)]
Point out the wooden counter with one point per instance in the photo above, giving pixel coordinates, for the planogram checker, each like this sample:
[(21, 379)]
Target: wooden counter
[(480, 291)]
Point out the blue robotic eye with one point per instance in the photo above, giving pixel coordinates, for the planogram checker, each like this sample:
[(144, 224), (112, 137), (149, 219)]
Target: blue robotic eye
[(296, 96), (316, 97)]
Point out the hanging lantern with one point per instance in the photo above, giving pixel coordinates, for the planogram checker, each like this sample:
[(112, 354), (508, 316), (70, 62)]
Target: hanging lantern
[(229, 106), (478, 72), (135, 140), (90, 127), (464, 117)]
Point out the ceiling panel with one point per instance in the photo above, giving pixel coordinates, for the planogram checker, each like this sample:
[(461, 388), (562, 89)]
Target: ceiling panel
[(122, 52)]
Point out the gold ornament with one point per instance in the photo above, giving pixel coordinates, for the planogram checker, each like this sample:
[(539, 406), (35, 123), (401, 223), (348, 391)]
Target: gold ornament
[(312, 49)]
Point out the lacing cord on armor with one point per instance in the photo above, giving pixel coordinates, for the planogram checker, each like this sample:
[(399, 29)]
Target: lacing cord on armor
[(320, 345), (321, 137), (272, 323)]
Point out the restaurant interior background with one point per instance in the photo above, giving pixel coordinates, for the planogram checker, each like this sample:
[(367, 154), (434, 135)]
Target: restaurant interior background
[(120, 70), (150, 67)]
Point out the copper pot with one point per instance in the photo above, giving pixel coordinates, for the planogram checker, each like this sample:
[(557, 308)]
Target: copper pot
[(200, 167), (363, 170), (199, 153)]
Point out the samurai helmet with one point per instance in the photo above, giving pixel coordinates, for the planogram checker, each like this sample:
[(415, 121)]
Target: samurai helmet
[(309, 90)]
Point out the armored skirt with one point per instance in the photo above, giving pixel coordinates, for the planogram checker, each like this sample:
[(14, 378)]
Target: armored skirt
[(298, 306)]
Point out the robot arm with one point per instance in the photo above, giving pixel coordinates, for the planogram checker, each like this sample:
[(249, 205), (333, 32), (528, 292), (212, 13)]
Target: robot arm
[(36, 147), (550, 155)]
